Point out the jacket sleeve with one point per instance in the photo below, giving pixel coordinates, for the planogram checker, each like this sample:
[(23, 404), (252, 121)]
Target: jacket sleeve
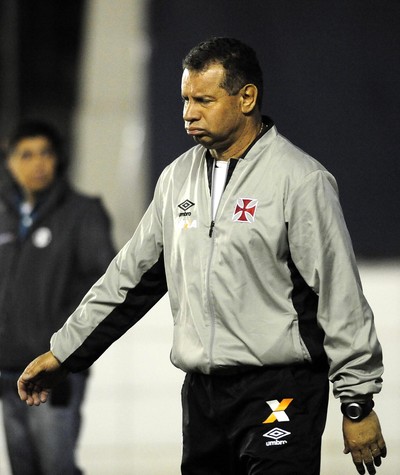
[(133, 283), (322, 251)]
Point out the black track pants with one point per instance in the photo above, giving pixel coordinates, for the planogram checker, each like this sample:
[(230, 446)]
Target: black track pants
[(267, 421)]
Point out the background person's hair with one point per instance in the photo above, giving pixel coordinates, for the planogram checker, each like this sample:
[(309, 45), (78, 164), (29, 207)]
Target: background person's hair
[(239, 60), (36, 128)]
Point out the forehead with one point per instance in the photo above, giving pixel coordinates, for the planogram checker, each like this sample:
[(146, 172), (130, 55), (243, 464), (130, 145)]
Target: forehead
[(203, 82), (34, 142)]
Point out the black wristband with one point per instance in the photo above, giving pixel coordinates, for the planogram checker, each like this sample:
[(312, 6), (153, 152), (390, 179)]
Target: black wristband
[(356, 411)]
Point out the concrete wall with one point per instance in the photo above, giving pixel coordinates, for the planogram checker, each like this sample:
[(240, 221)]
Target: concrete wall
[(110, 132)]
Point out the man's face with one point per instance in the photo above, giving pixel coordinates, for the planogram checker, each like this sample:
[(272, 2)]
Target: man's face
[(212, 117), (32, 164)]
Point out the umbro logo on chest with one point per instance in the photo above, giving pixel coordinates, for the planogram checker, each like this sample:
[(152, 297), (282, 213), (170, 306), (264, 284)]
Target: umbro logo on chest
[(184, 207)]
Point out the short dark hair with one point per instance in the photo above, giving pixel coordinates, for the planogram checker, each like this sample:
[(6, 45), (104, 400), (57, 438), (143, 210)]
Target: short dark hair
[(36, 128), (238, 59)]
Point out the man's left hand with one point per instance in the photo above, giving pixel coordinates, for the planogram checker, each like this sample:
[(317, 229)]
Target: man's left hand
[(365, 442)]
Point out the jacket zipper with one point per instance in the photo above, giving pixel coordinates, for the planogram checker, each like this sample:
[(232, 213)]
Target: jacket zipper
[(210, 232), (209, 297)]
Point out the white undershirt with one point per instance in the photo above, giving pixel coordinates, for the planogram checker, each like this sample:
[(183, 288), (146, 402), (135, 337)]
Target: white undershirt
[(218, 184)]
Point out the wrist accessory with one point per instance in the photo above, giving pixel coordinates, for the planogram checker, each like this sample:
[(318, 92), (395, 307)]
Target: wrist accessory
[(356, 411)]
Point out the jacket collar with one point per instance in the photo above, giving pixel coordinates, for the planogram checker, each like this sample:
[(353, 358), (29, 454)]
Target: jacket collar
[(267, 135)]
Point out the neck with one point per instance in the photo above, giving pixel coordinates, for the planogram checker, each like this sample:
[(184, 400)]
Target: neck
[(246, 137), (29, 196)]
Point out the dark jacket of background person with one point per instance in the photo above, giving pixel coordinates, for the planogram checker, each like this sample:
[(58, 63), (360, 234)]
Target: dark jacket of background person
[(44, 274)]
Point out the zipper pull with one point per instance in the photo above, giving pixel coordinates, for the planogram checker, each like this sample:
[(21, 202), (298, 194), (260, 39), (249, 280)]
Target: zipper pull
[(211, 228)]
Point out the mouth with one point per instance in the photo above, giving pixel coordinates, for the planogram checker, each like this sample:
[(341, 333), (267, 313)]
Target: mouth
[(40, 178), (194, 131), (40, 181)]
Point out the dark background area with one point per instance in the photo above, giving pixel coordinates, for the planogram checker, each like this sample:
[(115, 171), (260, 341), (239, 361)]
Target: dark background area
[(332, 82), (40, 44), (331, 71)]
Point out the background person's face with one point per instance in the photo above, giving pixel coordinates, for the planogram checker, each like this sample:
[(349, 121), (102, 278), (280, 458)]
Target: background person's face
[(32, 164)]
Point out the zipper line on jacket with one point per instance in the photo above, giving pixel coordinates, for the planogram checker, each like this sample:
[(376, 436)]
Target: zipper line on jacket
[(232, 166), (209, 297), (209, 301), (210, 232)]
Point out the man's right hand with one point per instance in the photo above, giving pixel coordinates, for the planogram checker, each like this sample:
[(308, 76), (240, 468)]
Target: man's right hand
[(39, 377)]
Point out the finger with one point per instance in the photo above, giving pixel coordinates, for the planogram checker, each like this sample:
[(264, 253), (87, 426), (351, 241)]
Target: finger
[(29, 398), (370, 467), (29, 401), (346, 449), (367, 457), (23, 394), (376, 454), (360, 467), (32, 394), (358, 461), (377, 461), (36, 398), (25, 390), (43, 396), (39, 395)]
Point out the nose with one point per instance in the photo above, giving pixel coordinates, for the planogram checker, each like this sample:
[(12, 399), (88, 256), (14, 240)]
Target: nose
[(190, 112), (39, 161)]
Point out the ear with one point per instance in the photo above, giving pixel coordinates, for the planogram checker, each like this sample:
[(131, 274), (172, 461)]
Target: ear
[(249, 94)]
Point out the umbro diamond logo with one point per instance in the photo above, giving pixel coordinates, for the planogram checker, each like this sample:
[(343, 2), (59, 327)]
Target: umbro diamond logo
[(276, 435), (185, 205), (278, 409)]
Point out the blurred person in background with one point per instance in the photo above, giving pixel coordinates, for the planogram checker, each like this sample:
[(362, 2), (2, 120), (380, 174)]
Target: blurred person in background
[(54, 244)]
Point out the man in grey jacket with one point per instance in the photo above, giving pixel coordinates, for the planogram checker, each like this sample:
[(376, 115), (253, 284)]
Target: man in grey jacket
[(246, 233)]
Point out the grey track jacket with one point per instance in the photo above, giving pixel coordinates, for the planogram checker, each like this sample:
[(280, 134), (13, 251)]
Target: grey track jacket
[(273, 281)]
